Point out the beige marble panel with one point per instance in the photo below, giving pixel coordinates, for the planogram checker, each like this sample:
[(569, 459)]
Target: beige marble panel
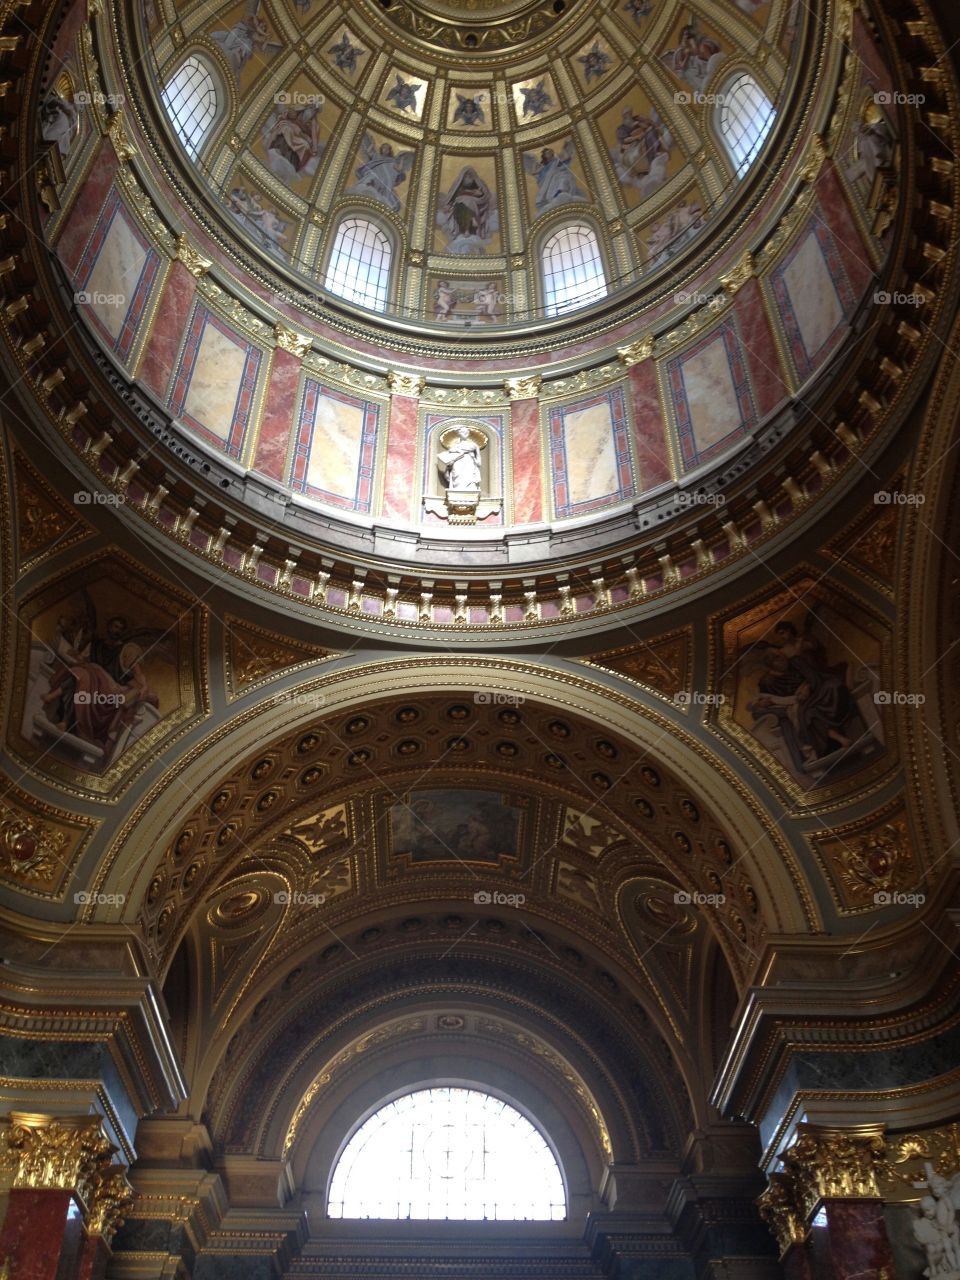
[(591, 456), (711, 395), (335, 451), (112, 282), (215, 382), (815, 301)]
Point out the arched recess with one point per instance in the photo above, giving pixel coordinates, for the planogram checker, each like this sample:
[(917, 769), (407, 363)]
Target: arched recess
[(325, 1141), (784, 903)]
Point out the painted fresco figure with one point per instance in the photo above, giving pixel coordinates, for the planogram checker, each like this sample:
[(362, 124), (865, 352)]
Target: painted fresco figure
[(468, 214), (695, 58), (444, 300), (642, 152), (382, 170), (292, 139), (556, 182), (246, 38)]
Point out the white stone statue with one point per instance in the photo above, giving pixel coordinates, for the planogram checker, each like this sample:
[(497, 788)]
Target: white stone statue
[(459, 463), (937, 1230), (59, 122)]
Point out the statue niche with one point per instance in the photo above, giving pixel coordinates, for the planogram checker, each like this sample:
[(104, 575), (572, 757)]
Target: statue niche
[(463, 478)]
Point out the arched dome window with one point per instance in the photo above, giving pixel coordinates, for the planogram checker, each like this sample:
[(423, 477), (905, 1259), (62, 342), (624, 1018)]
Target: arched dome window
[(573, 273), (745, 117), (447, 1153), (191, 102), (359, 266)]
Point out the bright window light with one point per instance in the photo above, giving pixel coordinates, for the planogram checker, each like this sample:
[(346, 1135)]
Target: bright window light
[(190, 99), (359, 267), (746, 117), (572, 269), (448, 1153)]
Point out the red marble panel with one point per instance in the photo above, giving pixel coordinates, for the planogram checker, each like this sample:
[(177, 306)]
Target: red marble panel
[(86, 208), (798, 1263), (763, 359), (836, 213), (649, 434), (35, 1233), (277, 424), (94, 1257), (857, 1231), (527, 466), (169, 326), (399, 483)]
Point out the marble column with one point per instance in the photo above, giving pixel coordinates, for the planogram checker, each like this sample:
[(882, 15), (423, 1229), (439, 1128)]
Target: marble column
[(66, 1200)]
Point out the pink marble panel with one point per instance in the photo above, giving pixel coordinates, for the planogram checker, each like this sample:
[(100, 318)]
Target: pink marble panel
[(859, 1245), (649, 433), (169, 325), (527, 466), (398, 485), (86, 208), (278, 414), (835, 212), (769, 385)]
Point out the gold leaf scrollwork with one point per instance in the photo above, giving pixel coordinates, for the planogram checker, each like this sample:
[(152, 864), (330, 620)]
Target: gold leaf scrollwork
[(835, 1164), (117, 134), (523, 388), (111, 1197), (28, 848), (734, 280), (297, 344), (636, 352), (195, 263), (780, 1210), (406, 384), (68, 1154)]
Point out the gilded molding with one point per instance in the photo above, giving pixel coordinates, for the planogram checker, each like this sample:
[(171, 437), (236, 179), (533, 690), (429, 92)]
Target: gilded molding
[(297, 344), (835, 1164), (636, 352), (195, 263), (524, 388), (406, 384)]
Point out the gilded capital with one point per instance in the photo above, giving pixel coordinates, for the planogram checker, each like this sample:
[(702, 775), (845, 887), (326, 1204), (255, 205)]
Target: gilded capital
[(780, 1209), (406, 384), (196, 264), (835, 1164), (118, 136), (523, 388), (734, 280), (68, 1153), (298, 344), (637, 351), (111, 1197)]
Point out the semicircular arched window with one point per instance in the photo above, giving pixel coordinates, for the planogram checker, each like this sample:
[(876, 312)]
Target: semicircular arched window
[(447, 1153), (572, 267), (745, 117), (191, 102), (359, 266)]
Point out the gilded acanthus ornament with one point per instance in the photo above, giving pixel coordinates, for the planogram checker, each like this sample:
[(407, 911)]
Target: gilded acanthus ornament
[(64, 1154), (876, 861), (118, 136), (637, 351), (780, 1210), (834, 1164), (738, 275), (28, 848), (112, 1196), (406, 384), (196, 264), (523, 388), (298, 344)]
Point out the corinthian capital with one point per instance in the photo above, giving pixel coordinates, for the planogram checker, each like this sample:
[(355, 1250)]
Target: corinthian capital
[(66, 1153), (835, 1164), (780, 1209)]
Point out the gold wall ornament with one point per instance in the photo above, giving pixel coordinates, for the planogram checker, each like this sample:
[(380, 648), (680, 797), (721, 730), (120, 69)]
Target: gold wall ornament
[(875, 862), (524, 388), (112, 1195), (29, 848), (813, 161), (195, 263), (57, 1154), (636, 352), (902, 1177), (835, 1164), (734, 280), (118, 136), (297, 344), (780, 1210), (406, 384)]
